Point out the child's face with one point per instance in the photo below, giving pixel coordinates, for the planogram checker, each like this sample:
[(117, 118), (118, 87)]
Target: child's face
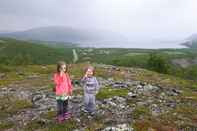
[(63, 68), (89, 72)]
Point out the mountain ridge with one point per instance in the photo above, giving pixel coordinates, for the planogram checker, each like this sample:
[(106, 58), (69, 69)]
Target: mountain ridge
[(64, 34)]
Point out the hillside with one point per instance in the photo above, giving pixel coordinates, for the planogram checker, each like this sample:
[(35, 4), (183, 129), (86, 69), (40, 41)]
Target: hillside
[(129, 99), (21, 52), (178, 62)]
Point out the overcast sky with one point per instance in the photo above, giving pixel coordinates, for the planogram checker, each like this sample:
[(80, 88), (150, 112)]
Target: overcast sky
[(158, 19)]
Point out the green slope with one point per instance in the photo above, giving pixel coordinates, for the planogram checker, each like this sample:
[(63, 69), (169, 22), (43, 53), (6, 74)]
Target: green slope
[(21, 52)]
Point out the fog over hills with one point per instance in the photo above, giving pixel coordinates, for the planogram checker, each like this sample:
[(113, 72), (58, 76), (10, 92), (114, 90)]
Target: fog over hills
[(191, 41), (64, 34)]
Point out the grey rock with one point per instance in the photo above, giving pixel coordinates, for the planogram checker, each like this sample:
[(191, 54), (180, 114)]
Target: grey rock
[(141, 103), (171, 104), (37, 97), (33, 76), (119, 85), (2, 75), (133, 95), (119, 127), (155, 110), (24, 94), (173, 92)]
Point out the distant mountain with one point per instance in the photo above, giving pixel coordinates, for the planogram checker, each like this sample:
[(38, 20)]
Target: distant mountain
[(5, 31), (64, 34), (191, 41)]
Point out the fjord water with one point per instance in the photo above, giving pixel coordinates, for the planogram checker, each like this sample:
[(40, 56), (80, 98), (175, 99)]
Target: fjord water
[(127, 44)]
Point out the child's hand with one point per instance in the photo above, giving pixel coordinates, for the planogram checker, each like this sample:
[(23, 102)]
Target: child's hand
[(86, 75)]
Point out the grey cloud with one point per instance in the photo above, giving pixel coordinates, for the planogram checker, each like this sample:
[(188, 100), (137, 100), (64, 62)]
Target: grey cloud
[(132, 18)]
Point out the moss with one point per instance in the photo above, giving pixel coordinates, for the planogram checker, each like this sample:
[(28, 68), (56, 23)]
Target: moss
[(22, 104), (187, 111), (94, 126), (46, 69), (153, 124), (10, 107), (5, 82), (194, 86), (6, 125), (102, 73), (51, 125), (96, 123), (166, 121), (189, 95), (168, 118), (77, 71), (163, 79), (141, 125), (35, 124), (5, 68), (140, 111), (16, 106), (10, 78), (66, 126), (49, 115), (110, 92)]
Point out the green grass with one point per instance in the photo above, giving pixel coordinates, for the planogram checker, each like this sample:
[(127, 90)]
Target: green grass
[(140, 111), (67, 126), (164, 80), (51, 126), (21, 104), (189, 94), (77, 70), (111, 92), (11, 105), (6, 125), (46, 69), (34, 125), (49, 115), (135, 54)]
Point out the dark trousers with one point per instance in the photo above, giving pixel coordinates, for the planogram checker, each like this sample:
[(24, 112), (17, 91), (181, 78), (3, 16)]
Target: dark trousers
[(62, 106)]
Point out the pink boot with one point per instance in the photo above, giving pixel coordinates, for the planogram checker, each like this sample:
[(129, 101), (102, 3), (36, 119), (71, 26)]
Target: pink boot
[(67, 115), (60, 119)]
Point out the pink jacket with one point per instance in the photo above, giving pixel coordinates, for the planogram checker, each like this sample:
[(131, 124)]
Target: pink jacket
[(63, 84)]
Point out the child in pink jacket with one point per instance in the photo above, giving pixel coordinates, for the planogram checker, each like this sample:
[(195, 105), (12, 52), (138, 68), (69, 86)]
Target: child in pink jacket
[(63, 89)]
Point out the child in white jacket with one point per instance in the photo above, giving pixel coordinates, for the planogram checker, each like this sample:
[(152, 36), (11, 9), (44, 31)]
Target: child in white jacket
[(91, 87)]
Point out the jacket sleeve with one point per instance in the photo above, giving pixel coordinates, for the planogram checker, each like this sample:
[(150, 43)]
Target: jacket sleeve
[(96, 84), (69, 84), (83, 80), (55, 80)]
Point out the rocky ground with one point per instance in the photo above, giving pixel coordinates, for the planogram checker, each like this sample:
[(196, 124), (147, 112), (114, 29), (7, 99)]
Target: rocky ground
[(124, 103)]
